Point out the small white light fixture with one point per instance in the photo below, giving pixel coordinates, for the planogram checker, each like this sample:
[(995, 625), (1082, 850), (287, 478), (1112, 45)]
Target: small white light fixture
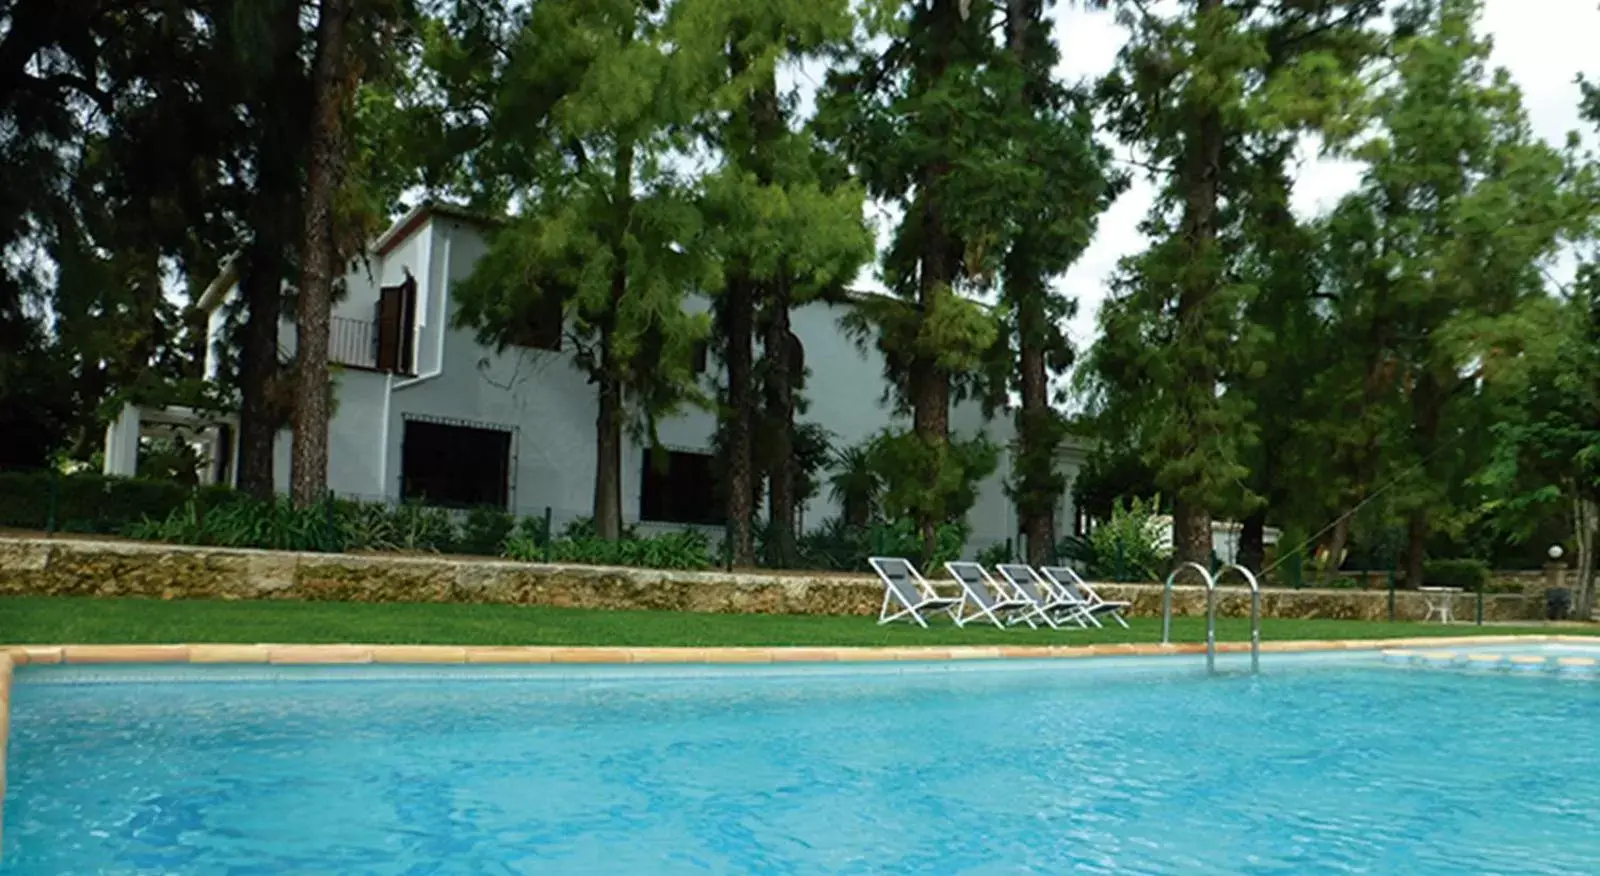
[(1555, 552)]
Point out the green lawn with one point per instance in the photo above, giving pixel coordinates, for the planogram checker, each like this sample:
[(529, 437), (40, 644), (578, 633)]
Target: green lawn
[(82, 620)]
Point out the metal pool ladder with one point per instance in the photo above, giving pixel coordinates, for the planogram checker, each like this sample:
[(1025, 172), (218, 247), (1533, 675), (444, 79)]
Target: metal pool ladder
[(1211, 612)]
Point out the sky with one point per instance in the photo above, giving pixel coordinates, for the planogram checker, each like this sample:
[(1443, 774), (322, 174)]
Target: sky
[(1543, 43)]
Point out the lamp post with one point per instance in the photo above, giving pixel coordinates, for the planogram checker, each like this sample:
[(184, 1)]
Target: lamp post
[(1555, 553)]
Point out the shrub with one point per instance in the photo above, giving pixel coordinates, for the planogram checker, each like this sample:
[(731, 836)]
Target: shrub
[(419, 527), (245, 523), (366, 526), (1125, 548), (837, 545), (995, 554), (1468, 574), (94, 503), (529, 542), (484, 532)]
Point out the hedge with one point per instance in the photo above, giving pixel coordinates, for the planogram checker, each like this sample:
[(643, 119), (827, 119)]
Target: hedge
[(94, 503)]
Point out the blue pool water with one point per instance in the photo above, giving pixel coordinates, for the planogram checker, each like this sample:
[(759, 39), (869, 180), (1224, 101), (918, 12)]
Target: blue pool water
[(1352, 768)]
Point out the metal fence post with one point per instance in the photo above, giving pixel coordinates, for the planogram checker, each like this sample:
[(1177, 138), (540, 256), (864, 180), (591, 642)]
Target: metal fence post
[(549, 536), (1480, 603)]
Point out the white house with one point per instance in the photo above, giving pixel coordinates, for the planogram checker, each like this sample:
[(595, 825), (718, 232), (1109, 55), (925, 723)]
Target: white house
[(423, 408)]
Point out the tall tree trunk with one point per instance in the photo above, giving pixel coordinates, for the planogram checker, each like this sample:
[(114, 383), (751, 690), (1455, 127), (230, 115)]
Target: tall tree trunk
[(779, 372), (1338, 542), (1586, 514), (762, 126), (272, 216), (609, 418), (1253, 541), (738, 330), (1416, 547), (262, 286), (608, 458), (1036, 486), (1427, 400), (309, 469), (929, 385), (1202, 168)]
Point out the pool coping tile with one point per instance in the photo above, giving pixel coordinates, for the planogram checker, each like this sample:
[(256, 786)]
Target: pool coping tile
[(334, 654)]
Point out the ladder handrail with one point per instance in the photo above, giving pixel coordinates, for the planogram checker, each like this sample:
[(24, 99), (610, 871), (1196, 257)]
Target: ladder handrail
[(1255, 618), (1166, 596)]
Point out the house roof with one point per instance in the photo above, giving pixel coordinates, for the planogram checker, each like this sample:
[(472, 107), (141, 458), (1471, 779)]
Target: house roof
[(399, 232), (418, 216)]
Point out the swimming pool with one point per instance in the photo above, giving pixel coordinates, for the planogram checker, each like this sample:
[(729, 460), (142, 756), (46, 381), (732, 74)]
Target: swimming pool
[(1343, 764)]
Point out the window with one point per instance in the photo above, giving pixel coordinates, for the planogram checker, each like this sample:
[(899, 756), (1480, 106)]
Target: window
[(541, 325), (455, 465), (680, 488)]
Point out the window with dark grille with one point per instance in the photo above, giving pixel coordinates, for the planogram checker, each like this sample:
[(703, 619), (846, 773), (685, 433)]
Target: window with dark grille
[(540, 328), (680, 488), (455, 466)]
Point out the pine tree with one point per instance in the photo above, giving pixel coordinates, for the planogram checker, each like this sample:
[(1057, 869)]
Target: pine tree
[(919, 121), (784, 236), (1205, 95), (1459, 209), (1060, 181), (590, 108)]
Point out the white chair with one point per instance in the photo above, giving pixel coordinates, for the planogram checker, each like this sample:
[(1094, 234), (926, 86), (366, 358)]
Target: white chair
[(1066, 581), (905, 588), (1054, 608), (988, 598)]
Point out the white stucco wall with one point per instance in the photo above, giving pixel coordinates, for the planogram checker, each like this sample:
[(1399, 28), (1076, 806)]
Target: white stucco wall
[(551, 409)]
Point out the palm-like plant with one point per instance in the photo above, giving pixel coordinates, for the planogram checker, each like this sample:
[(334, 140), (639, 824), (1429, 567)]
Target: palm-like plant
[(855, 484)]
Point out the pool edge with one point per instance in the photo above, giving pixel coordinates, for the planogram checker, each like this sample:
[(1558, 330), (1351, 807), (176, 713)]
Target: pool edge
[(343, 654), (5, 736)]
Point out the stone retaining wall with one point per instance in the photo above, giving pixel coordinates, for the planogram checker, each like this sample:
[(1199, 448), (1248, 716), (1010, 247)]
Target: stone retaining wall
[(64, 567)]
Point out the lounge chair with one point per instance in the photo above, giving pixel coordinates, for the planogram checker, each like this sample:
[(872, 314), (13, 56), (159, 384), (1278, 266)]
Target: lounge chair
[(988, 597), (1053, 607), (1064, 580), (909, 592)]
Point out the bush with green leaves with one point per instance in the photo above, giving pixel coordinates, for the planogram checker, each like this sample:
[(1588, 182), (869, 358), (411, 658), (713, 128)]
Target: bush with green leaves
[(996, 554), (91, 502), (245, 523), (1125, 548), (836, 545), (484, 532), (1469, 575), (530, 542)]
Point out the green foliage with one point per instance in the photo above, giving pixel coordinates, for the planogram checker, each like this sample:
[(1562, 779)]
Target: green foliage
[(855, 485), (94, 503), (1469, 575), (578, 544), (1215, 97), (593, 97), (484, 532), (995, 554), (1127, 547), (244, 522), (931, 481), (839, 546)]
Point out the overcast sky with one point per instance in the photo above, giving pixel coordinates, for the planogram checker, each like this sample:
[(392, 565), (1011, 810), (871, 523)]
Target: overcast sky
[(1544, 43)]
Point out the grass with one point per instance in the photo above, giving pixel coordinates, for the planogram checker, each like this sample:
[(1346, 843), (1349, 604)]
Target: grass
[(101, 620)]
